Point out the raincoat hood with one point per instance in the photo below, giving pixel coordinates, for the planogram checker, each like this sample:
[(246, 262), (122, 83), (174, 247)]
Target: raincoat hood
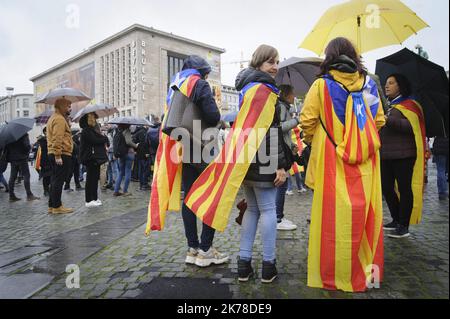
[(352, 81), (197, 63), (250, 75)]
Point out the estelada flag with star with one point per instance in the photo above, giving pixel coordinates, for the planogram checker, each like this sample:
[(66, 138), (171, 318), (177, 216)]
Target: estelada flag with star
[(346, 236), (213, 194), (166, 185)]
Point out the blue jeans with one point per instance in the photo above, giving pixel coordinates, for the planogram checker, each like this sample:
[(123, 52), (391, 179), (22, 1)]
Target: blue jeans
[(113, 169), (3, 180), (281, 198), (261, 205), (441, 164), (298, 180), (144, 171), (125, 165)]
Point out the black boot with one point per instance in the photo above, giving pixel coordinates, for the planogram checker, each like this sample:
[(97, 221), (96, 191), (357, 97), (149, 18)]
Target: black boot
[(269, 272), (13, 198), (245, 270)]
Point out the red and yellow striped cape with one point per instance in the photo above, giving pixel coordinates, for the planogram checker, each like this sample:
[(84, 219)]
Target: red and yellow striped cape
[(296, 138), (213, 194), (37, 164), (414, 113), (346, 235), (166, 185)]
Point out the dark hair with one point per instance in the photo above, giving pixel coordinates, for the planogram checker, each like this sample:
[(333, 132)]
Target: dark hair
[(285, 91), (403, 83), (336, 48)]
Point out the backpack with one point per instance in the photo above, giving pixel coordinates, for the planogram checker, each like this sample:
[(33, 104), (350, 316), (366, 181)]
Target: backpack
[(119, 145)]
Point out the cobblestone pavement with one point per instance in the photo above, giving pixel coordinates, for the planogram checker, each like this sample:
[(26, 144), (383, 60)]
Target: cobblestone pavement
[(122, 263)]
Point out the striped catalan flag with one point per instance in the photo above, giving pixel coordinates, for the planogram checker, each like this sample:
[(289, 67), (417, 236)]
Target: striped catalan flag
[(346, 236), (213, 194), (296, 138), (37, 164), (166, 185), (412, 110)]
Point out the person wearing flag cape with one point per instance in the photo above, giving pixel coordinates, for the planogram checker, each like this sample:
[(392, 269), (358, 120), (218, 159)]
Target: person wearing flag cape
[(341, 117), (174, 169), (403, 157), (253, 156)]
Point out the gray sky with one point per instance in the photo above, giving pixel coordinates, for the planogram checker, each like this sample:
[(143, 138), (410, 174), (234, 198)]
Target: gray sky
[(34, 35)]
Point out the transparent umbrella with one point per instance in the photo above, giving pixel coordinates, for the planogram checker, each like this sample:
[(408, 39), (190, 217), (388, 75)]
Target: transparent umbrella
[(73, 95), (102, 110)]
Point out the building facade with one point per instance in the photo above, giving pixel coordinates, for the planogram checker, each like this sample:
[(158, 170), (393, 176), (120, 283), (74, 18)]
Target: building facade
[(130, 70), (230, 99), (18, 105)]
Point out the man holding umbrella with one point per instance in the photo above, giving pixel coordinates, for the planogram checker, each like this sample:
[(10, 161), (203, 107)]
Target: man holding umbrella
[(60, 147)]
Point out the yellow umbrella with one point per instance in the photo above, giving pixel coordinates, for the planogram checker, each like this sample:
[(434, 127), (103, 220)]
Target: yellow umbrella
[(369, 24)]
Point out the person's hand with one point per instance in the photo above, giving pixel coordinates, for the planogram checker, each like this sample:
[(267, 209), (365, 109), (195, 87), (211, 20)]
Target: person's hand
[(281, 177), (59, 161)]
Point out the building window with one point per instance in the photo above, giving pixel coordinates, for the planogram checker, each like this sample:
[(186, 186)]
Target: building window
[(175, 63), (26, 103), (18, 103), (18, 112), (26, 113)]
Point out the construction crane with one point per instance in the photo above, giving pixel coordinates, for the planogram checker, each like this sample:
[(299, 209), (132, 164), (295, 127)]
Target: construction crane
[(241, 62)]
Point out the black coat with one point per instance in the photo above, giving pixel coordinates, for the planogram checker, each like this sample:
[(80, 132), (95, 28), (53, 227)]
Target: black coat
[(92, 145), (46, 169), (274, 139), (440, 146), (18, 151), (143, 150)]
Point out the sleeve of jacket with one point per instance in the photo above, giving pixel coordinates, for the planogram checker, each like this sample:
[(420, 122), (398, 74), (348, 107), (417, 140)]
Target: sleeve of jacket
[(59, 127), (309, 117), (399, 123), (204, 98), (93, 138), (289, 125)]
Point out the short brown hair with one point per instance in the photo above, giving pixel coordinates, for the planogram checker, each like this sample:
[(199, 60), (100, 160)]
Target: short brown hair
[(285, 91), (336, 48), (263, 54), (61, 102)]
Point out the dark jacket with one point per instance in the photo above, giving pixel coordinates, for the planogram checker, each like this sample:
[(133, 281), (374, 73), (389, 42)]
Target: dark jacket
[(143, 150), (153, 138), (440, 146), (274, 139), (92, 145), (203, 98), (46, 169), (397, 138), (19, 150)]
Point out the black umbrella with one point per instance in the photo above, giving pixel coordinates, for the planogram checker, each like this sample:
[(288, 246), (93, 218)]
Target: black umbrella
[(429, 84), (299, 73), (14, 130)]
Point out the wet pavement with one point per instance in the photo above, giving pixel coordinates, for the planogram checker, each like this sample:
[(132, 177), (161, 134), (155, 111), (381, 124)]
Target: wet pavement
[(116, 260)]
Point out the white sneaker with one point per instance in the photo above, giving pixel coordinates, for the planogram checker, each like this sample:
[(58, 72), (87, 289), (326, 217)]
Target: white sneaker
[(287, 221), (191, 256), (302, 191), (92, 204), (289, 193), (285, 225), (212, 256), (99, 202)]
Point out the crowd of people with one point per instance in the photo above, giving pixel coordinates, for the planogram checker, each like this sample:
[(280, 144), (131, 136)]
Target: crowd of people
[(344, 146), (95, 154)]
